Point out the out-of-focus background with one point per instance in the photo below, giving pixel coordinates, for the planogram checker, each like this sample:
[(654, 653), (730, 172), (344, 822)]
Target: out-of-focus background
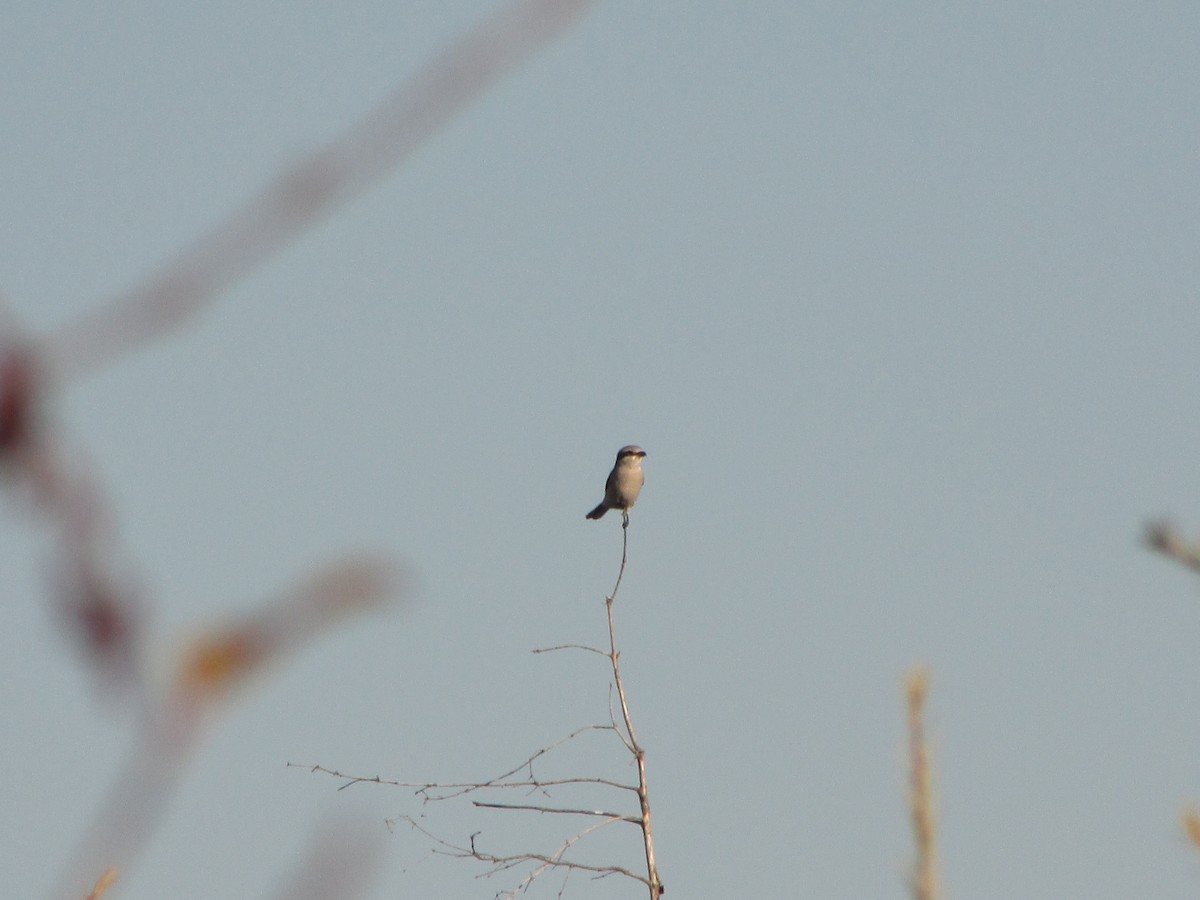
[(900, 299)]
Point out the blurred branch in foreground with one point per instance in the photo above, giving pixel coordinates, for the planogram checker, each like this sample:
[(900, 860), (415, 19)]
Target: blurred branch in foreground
[(103, 884), (1191, 827), (208, 672), (342, 169), (95, 595), (924, 877), (1163, 537), (341, 862)]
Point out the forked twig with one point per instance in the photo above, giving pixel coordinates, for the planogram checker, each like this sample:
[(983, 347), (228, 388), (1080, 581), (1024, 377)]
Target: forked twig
[(546, 862)]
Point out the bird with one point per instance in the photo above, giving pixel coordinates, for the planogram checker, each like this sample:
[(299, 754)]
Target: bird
[(624, 482)]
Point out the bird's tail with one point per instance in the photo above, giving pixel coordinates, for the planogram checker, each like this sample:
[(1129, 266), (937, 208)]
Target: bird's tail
[(598, 512)]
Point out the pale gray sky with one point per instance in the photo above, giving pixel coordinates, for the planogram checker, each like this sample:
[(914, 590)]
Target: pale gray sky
[(901, 299)]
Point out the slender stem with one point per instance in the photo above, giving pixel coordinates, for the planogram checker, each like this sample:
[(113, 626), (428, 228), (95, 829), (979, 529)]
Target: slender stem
[(624, 559), (924, 879), (655, 885)]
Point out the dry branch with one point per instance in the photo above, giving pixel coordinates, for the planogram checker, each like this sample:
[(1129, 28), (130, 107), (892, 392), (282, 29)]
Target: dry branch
[(653, 882), (552, 809), (424, 788), (524, 776), (545, 862)]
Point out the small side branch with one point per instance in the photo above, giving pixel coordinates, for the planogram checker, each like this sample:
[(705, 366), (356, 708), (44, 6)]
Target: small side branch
[(426, 787), (584, 647), (616, 817), (544, 862), (447, 790)]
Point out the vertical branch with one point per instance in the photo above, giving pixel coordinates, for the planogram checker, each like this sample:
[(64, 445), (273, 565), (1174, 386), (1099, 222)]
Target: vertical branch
[(1191, 827), (207, 674), (924, 877), (656, 886), (624, 558)]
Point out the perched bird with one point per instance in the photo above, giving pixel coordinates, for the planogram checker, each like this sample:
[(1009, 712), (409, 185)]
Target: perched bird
[(624, 482)]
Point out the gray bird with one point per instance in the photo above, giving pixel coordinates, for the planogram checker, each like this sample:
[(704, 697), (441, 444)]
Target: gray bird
[(624, 482)]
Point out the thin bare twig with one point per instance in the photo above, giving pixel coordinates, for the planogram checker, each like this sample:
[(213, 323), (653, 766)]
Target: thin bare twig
[(501, 863), (552, 809), (624, 555), (424, 786), (596, 650), (526, 766), (458, 789)]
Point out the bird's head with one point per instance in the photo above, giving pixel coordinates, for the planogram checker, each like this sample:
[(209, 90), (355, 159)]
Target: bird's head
[(629, 454)]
